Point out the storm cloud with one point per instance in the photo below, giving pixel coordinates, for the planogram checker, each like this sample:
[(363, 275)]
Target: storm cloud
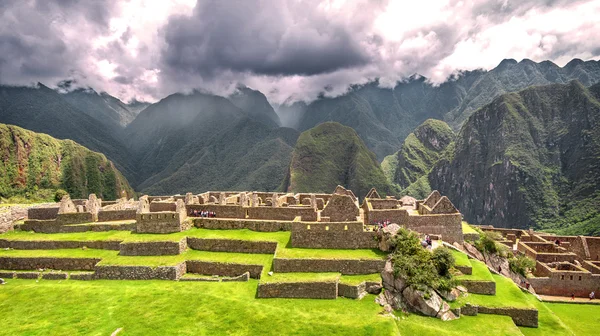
[(290, 50)]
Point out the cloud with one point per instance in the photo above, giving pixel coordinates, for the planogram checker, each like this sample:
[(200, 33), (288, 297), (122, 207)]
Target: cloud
[(148, 49)]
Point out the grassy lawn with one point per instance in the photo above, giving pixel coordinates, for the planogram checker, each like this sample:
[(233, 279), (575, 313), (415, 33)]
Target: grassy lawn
[(301, 277), (479, 272), (507, 295), (466, 228), (461, 258), (580, 318), (304, 253), (357, 279), (177, 308), (466, 325), (281, 237)]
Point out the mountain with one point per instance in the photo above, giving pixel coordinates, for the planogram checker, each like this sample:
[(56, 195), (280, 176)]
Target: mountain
[(408, 168), (34, 163), (136, 106), (332, 154), (101, 106), (290, 113), (529, 159), (256, 105), (163, 129), (383, 117), (247, 155), (41, 109)]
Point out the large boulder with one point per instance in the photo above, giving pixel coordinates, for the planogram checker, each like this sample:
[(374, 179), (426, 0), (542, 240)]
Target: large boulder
[(445, 314), (450, 295), (416, 300), (473, 251), (385, 235), (497, 263), (390, 282)]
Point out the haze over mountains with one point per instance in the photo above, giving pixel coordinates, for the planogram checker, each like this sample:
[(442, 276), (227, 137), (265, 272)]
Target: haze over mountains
[(201, 141)]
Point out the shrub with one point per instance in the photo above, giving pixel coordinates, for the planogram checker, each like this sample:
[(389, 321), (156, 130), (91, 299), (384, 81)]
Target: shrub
[(443, 260), (418, 266), (521, 264), (487, 242), (59, 194)]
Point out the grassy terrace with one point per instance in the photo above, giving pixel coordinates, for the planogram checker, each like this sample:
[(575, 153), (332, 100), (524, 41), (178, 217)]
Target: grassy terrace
[(177, 308), (460, 258), (301, 277), (466, 228), (479, 272), (507, 295), (281, 237)]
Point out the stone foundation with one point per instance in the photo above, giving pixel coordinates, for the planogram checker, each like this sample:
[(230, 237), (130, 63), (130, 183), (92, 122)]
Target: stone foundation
[(153, 248), (238, 224), (34, 263), (59, 244), (305, 290), (479, 286), (140, 272), (223, 269), (236, 246)]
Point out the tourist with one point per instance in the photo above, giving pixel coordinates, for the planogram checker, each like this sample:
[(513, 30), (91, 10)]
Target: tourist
[(527, 285), (499, 269), (572, 296), (2, 282), (592, 295)]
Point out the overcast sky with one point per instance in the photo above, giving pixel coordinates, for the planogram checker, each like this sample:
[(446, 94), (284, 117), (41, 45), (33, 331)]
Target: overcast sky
[(147, 49)]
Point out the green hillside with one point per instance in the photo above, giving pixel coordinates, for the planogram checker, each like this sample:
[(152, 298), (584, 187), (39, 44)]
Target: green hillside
[(35, 165), (384, 117), (529, 159), (422, 148), (332, 154), (247, 155)]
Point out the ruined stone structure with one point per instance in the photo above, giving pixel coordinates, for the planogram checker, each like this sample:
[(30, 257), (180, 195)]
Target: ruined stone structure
[(565, 265)]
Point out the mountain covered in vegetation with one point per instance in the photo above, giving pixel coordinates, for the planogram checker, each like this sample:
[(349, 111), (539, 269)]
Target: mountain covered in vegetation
[(408, 168), (36, 165), (529, 159), (43, 110), (332, 154), (383, 117)]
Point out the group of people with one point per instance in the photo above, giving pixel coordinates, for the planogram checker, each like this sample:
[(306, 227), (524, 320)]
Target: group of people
[(427, 243), (591, 296), (209, 214), (382, 224)]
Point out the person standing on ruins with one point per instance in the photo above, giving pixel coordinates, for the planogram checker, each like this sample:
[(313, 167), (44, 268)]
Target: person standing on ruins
[(592, 295)]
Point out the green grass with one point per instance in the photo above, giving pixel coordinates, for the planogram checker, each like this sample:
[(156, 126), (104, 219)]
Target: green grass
[(461, 259), (466, 228), (282, 237), (507, 295), (479, 272), (357, 279), (302, 253), (466, 325), (177, 308), (580, 319), (301, 277)]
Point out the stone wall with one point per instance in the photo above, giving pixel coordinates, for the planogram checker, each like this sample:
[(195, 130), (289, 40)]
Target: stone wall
[(162, 206), (74, 218), (160, 222), (521, 316), (8, 215), (479, 286), (305, 290), (467, 270), (116, 215), (222, 211), (223, 269), (42, 213), (344, 266), (398, 216), (449, 226), (351, 291), (348, 235), (34, 263), (153, 248), (59, 244), (593, 245), (564, 283), (236, 246), (237, 224), (283, 213), (113, 272)]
